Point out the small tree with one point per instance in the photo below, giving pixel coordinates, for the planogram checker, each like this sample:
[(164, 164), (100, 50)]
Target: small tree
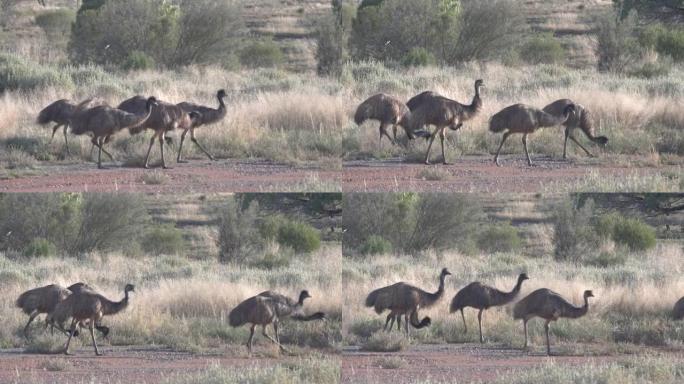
[(617, 47), (239, 237)]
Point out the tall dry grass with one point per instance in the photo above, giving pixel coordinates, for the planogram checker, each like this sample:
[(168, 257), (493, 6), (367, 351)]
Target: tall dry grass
[(632, 304), (295, 118), (178, 302)]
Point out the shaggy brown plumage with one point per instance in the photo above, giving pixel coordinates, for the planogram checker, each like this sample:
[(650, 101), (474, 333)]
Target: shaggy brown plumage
[(269, 308), (521, 118), (206, 116), (389, 111), (480, 296), (405, 299), (550, 306), (580, 119)]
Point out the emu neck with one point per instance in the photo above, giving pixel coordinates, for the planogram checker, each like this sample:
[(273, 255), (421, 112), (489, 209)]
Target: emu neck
[(222, 105), (474, 107), (575, 312), (111, 308), (433, 297), (514, 292)]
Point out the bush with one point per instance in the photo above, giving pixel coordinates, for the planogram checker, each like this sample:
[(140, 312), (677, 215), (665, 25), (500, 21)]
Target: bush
[(271, 260), (617, 47), (574, 235), (40, 248), (137, 61), (542, 49), (301, 237), (163, 239), (499, 238), (630, 232), (332, 39), (238, 238), (56, 23), (418, 57), (17, 73), (666, 40), (261, 54), (385, 342), (376, 245)]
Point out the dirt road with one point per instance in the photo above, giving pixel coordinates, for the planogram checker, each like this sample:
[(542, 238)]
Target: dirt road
[(463, 363), (468, 174), (121, 365)]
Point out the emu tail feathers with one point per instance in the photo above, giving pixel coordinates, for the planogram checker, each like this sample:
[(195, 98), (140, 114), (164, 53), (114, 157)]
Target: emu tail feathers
[(22, 301), (497, 124), (237, 317), (44, 116), (455, 304)]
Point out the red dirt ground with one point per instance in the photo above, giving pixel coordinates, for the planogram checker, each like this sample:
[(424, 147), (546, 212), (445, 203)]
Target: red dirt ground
[(468, 174), (121, 365), (463, 363)]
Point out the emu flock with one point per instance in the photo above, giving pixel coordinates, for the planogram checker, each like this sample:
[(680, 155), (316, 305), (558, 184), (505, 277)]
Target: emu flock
[(405, 299), (432, 109), (85, 307), (94, 117)]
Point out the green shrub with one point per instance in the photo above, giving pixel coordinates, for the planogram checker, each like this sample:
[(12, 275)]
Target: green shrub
[(17, 73), (542, 49), (163, 239), (39, 247), (301, 237), (666, 40), (138, 61), (574, 235), (630, 232), (272, 261), (376, 245), (269, 226), (239, 238), (261, 54), (618, 47), (653, 69), (418, 57), (608, 259), (385, 342), (499, 238), (57, 21)]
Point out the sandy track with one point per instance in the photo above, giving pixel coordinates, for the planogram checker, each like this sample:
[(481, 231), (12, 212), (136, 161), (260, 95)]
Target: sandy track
[(480, 174), (462, 363), (467, 174), (193, 177), (121, 365)]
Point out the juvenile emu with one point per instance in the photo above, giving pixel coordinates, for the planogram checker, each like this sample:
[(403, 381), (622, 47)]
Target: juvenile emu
[(41, 300), (206, 116), (388, 111), (443, 113), (104, 121), (580, 119), (550, 306), (165, 117), (269, 308), (59, 113), (89, 308), (482, 297), (521, 118), (405, 299)]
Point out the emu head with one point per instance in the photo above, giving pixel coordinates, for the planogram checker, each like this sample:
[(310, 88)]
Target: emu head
[(129, 288), (523, 276), (221, 94), (304, 295), (569, 109), (588, 293), (479, 83), (445, 272), (152, 101)]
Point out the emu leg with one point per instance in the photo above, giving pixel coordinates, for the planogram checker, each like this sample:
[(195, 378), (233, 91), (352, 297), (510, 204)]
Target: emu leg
[(479, 322), (251, 337), (565, 143), (272, 339), (161, 147), (394, 132), (442, 136), (180, 148), (71, 334), (524, 141), (275, 328), (503, 140), (427, 155), (398, 317), (581, 146), (92, 336), (465, 327), (194, 140), (406, 323), (31, 318), (149, 149), (389, 317), (525, 328), (54, 129), (548, 344), (100, 145), (66, 140)]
